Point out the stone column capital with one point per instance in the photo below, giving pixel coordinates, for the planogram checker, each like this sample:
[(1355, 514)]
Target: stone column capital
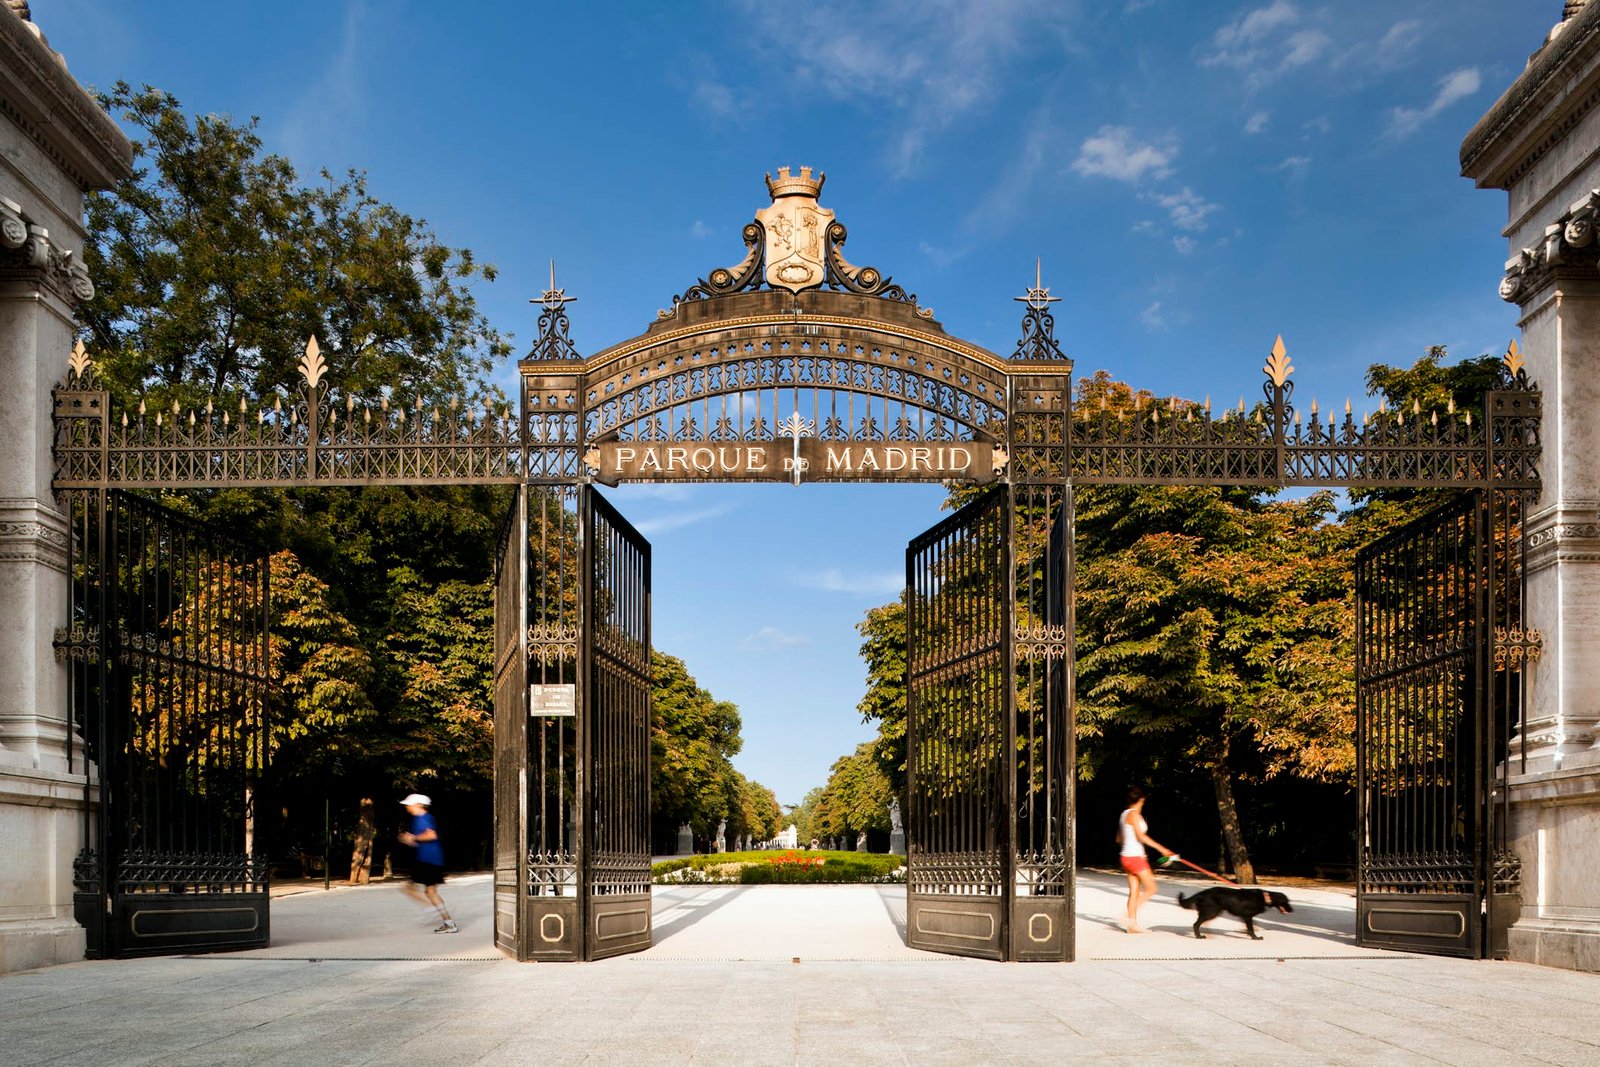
[(28, 254)]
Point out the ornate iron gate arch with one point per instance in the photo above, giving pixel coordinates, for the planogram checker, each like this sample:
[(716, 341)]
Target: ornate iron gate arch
[(794, 364)]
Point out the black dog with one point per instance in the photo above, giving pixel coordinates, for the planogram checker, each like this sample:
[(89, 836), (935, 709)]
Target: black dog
[(1244, 903)]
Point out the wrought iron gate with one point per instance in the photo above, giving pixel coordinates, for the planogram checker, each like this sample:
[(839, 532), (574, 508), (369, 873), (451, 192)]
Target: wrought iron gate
[(1438, 697), (572, 729), (989, 729), (511, 725), (616, 732), (959, 700), (170, 677)]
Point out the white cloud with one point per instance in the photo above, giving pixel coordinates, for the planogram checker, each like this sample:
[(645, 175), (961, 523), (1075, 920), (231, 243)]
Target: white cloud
[(1133, 7), (1267, 42), (1114, 152), (678, 519), (699, 231), (1188, 209), (715, 99), (1296, 166), (938, 255), (1455, 86), (1152, 317), (1397, 44), (325, 124), (1257, 123), (1184, 244), (1012, 192), (833, 580), (921, 65), (771, 639)]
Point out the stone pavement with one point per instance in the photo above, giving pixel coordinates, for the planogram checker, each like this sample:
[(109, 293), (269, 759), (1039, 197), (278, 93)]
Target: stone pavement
[(719, 988)]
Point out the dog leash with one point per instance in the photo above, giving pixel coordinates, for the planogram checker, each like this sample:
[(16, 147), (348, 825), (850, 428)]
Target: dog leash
[(1166, 861)]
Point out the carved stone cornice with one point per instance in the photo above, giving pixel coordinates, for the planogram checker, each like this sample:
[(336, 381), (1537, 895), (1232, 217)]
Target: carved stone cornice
[(1569, 249), (1540, 108), (26, 252), (53, 110), (32, 534), (1568, 533)]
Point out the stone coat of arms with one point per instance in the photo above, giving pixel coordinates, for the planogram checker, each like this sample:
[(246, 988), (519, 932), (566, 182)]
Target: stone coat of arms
[(797, 231)]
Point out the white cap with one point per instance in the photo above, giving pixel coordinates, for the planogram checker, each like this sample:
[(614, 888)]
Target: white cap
[(417, 798)]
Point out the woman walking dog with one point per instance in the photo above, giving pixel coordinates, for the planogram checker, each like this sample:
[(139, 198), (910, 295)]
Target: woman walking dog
[(1132, 832)]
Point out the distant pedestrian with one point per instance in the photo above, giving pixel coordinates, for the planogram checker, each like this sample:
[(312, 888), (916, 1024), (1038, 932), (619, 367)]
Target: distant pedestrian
[(1132, 834), (427, 872)]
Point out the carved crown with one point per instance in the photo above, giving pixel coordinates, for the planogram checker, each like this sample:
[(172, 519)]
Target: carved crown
[(803, 185)]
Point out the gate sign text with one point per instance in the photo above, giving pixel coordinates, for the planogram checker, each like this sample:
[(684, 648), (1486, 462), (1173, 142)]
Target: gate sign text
[(828, 461), (555, 701)]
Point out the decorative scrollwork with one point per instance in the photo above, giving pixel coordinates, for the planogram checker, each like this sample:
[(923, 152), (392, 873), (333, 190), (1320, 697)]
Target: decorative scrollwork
[(1038, 341), (1515, 647), (312, 365), (80, 368)]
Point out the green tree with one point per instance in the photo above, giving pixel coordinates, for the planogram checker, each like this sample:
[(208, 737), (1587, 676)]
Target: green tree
[(214, 262), (1210, 620), (693, 737), (883, 649), (441, 727), (856, 797), (322, 669)]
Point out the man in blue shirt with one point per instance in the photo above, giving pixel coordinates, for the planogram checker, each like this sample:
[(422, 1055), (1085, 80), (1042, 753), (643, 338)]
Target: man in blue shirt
[(427, 873)]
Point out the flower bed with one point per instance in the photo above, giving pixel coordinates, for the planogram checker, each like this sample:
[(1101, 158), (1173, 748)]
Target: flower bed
[(781, 868)]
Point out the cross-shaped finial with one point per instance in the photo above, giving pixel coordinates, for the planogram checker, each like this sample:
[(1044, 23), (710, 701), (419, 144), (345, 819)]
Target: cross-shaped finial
[(1038, 298), (553, 298)]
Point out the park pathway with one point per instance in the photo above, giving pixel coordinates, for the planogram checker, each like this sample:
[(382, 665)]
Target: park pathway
[(791, 975)]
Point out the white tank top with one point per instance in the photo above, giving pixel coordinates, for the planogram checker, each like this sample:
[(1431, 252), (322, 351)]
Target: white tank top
[(1133, 825)]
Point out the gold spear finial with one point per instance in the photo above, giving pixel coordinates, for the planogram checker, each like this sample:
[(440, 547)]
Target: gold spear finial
[(1513, 358), (312, 364), (1278, 367), (79, 364)]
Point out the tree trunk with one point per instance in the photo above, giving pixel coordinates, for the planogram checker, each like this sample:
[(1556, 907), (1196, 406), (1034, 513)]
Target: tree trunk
[(361, 853), (1222, 781)]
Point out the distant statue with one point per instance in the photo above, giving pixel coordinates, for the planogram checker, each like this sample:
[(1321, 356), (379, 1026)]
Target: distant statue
[(685, 840), (894, 816), (722, 836)]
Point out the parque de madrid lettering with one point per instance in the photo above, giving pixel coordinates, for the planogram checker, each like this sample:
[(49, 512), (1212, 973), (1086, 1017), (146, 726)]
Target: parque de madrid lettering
[(646, 461)]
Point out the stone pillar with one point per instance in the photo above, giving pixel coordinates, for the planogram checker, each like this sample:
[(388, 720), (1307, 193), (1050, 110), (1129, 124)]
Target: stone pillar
[(685, 840), (55, 145), (1538, 143)]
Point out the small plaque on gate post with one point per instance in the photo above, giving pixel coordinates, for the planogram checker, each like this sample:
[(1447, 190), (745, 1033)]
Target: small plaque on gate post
[(553, 701)]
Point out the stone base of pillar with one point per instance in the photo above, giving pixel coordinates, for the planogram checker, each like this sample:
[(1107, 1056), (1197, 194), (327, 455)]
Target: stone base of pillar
[(26, 946), (685, 841), (1554, 943), (897, 843), (1555, 831), (41, 831)]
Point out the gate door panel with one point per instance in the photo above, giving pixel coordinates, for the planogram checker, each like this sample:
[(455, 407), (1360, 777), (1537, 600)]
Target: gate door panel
[(1425, 764), (171, 678), (510, 725), (1042, 912), (959, 611), (551, 924), (616, 736)]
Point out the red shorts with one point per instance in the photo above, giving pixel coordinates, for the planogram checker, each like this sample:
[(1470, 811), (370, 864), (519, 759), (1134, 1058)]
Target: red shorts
[(1135, 864)]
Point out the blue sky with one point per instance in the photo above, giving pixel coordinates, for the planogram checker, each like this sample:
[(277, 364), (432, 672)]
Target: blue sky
[(1196, 176)]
